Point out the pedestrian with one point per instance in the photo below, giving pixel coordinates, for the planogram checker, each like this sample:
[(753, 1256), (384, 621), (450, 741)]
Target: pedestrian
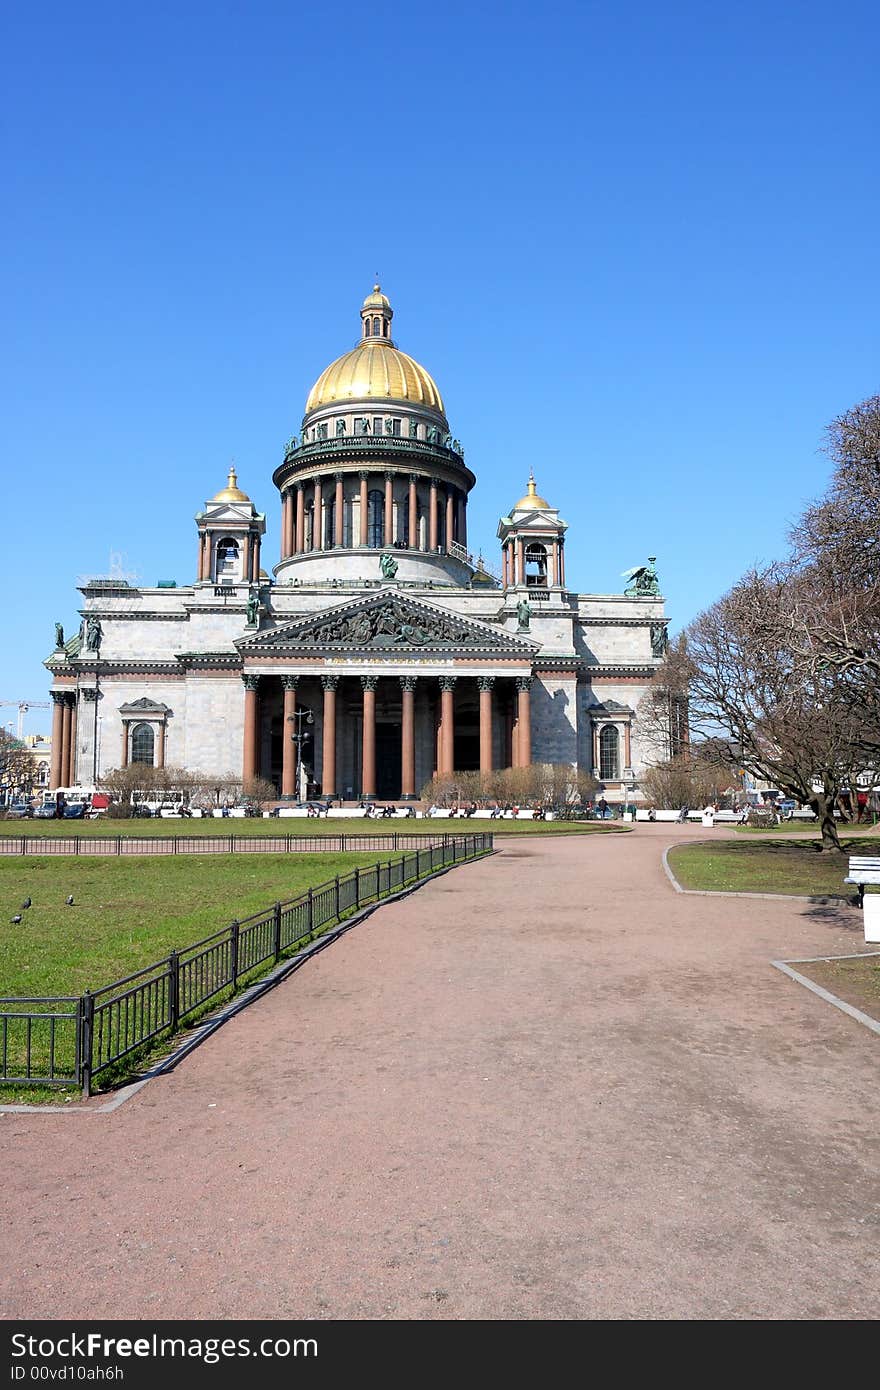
[(683, 814), (652, 814)]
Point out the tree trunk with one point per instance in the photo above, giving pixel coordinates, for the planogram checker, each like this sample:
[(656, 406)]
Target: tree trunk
[(823, 806)]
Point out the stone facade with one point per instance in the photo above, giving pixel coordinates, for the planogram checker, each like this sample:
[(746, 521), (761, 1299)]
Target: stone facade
[(409, 656)]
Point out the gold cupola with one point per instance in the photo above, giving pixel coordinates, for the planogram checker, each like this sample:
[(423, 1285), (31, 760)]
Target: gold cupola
[(375, 370), (231, 492), (531, 500)]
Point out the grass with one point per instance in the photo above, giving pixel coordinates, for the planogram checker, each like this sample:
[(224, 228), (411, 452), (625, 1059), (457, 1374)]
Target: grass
[(127, 914), (772, 865), (855, 979), (298, 825)]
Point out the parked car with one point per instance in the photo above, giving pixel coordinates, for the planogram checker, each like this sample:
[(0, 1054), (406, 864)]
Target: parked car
[(46, 811), (75, 810), (18, 810)]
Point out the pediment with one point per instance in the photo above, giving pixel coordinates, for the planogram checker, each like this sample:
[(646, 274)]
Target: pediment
[(144, 706), (387, 622)]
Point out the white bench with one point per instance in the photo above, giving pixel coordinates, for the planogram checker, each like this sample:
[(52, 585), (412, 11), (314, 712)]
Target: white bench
[(863, 869)]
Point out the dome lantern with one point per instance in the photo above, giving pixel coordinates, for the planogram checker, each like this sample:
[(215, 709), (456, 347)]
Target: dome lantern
[(376, 315)]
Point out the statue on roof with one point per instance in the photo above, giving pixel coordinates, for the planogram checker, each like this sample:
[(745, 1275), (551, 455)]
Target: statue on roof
[(94, 633), (252, 609), (523, 614), (643, 580), (388, 566), (59, 638)]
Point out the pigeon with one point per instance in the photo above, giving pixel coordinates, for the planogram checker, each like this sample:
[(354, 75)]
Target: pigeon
[(70, 901), (17, 918), (26, 903)]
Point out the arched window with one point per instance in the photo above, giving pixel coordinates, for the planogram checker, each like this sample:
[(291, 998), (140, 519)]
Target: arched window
[(142, 744), (375, 519), (536, 565), (609, 744), (366, 328), (384, 328), (227, 558), (376, 329)]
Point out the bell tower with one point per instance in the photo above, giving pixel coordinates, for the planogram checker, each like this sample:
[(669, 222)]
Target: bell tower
[(533, 543), (230, 530)]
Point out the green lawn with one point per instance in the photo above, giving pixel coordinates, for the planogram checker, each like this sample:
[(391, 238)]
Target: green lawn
[(299, 826), (767, 866)]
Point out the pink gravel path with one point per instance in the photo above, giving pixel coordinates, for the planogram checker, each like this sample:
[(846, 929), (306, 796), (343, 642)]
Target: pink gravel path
[(544, 1086)]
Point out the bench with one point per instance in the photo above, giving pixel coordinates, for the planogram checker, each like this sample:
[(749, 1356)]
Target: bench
[(863, 869)]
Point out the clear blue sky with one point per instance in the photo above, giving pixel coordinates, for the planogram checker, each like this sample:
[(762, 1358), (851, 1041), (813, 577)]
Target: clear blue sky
[(636, 246)]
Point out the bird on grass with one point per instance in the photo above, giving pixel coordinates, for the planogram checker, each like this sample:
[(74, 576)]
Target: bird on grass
[(17, 918), (70, 901), (26, 903)]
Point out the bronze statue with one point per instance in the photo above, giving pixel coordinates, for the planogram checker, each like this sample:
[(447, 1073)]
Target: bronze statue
[(59, 638), (252, 609), (94, 633), (388, 566), (643, 580), (523, 614)]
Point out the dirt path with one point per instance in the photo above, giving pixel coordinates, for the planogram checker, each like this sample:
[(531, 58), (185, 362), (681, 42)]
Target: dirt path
[(544, 1086)]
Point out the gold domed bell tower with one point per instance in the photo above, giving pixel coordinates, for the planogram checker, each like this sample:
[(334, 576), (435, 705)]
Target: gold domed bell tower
[(533, 544), (375, 469), (230, 531)]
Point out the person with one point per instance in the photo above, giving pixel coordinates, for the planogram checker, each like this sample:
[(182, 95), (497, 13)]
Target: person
[(602, 808), (743, 814), (683, 813), (496, 812), (652, 814), (862, 806), (515, 812)]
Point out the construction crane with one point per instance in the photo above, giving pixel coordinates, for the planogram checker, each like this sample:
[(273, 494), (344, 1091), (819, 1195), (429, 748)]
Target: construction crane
[(23, 707)]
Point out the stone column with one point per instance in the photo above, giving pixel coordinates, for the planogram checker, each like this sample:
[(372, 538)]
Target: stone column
[(556, 579), (432, 517), (364, 518), (520, 560), (255, 563), (389, 509), (65, 742), (504, 579), (160, 745), (318, 518), (627, 745), (300, 519), (72, 752), (413, 536), (289, 789), (561, 563), (523, 721), (368, 766), (339, 518), (450, 520), (462, 520), (245, 558), (328, 735), (408, 738), (285, 523), (123, 762), (447, 725), (596, 750), (485, 684), (57, 738), (201, 558), (250, 756)]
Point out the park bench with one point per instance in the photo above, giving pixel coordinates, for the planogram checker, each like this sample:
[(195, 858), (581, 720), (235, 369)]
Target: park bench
[(863, 869)]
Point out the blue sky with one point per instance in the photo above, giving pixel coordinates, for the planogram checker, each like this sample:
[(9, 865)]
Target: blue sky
[(635, 245)]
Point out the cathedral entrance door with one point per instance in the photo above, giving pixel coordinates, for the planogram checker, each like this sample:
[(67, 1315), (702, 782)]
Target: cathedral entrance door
[(388, 761)]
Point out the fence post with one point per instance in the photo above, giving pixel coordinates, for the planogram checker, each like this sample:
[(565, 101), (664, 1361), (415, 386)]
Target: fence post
[(118, 844), (337, 897), (357, 887), (76, 844), (23, 843), (342, 846), (396, 840), (233, 950), (311, 910), (86, 1013), (232, 844), (173, 991), (175, 839), (277, 931), (289, 838)]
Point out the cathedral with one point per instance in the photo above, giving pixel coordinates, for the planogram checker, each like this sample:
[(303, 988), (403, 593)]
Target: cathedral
[(378, 634)]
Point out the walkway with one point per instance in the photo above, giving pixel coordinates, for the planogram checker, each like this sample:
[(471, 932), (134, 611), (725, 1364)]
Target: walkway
[(544, 1086)]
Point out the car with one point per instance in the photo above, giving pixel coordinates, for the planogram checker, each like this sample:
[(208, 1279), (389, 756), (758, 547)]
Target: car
[(18, 810), (46, 811), (75, 810)]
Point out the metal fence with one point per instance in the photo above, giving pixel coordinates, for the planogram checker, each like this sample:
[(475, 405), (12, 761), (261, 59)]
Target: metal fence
[(121, 845), (57, 1045)]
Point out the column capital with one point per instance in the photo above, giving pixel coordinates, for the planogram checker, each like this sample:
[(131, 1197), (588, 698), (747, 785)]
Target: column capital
[(485, 682), (59, 696), (524, 683), (330, 682), (290, 682), (298, 485), (447, 682), (415, 478), (388, 475), (408, 682), (251, 682), (363, 474), (89, 692), (369, 682)]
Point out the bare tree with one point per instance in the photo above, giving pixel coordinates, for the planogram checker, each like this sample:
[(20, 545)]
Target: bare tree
[(16, 767)]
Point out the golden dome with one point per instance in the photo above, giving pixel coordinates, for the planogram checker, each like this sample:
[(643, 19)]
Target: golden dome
[(531, 501), (375, 371), (231, 492)]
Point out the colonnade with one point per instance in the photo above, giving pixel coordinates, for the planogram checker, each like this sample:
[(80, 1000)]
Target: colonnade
[(420, 499), (249, 555), (520, 734), (513, 559)]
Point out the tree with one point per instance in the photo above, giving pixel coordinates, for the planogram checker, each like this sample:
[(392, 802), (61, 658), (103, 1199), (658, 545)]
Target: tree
[(692, 778), (16, 767)]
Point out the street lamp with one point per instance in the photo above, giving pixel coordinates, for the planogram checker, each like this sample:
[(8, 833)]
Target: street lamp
[(300, 716)]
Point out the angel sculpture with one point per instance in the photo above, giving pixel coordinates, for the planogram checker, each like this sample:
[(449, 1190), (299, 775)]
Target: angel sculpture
[(643, 580)]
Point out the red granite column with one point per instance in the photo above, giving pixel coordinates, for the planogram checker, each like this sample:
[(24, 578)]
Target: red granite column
[(561, 563), (447, 725), (413, 537), (318, 518), (300, 519), (160, 748), (627, 745), (289, 789), (524, 720), (72, 753), (556, 578), (520, 560), (368, 773), (364, 518), (596, 763), (124, 756), (328, 774), (250, 757), (389, 509), (245, 558), (338, 513), (485, 684), (408, 738), (450, 520), (462, 521), (432, 517), (255, 561), (65, 742)]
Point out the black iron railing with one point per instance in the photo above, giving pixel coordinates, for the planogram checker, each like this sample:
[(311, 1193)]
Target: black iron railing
[(212, 844), (53, 1045)]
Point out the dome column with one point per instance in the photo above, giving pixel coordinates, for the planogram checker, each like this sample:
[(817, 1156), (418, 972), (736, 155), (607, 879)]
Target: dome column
[(338, 513), (300, 540), (328, 737), (432, 518), (462, 520), (485, 684), (450, 519), (318, 517), (368, 774), (413, 529), (408, 738), (389, 509), (447, 726), (364, 478)]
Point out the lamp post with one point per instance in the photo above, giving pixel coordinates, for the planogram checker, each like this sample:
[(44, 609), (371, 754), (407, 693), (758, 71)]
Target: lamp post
[(298, 738)]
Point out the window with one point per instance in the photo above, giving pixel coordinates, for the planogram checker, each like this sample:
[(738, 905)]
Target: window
[(366, 328), (377, 425), (536, 565), (321, 432), (609, 742), (361, 426), (227, 558), (375, 519), (142, 744), (376, 329)]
